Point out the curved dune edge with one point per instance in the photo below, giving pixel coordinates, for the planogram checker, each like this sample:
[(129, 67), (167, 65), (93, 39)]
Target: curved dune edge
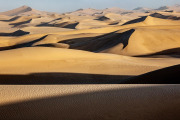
[(169, 75)]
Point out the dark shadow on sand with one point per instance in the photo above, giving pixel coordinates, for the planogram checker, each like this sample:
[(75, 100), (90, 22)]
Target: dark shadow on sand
[(158, 15), (175, 52), (19, 24), (169, 75), (136, 20), (100, 43), (60, 25), (60, 78), (16, 33), (12, 19), (27, 44)]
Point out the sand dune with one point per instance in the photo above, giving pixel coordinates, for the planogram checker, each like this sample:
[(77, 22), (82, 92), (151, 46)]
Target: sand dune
[(168, 75), (25, 11), (175, 8), (146, 40), (40, 59), (142, 9), (165, 15), (17, 11), (84, 12), (116, 10), (44, 30), (16, 33)]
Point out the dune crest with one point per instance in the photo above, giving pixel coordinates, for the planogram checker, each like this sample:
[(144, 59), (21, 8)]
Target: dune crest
[(17, 11)]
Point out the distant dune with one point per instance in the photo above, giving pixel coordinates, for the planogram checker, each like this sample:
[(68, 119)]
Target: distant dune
[(175, 8), (24, 10), (17, 11)]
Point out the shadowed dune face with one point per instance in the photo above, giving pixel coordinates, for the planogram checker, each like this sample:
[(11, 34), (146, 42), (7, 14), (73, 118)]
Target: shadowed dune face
[(103, 18), (20, 24), (169, 52), (168, 75), (12, 19), (60, 78), (158, 15), (26, 44), (70, 25), (136, 20), (100, 43), (16, 33)]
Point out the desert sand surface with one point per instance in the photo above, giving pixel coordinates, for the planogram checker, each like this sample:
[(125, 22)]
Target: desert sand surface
[(90, 102), (83, 60)]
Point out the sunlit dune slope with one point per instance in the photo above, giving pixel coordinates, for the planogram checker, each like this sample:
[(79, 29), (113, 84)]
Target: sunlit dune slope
[(37, 60)]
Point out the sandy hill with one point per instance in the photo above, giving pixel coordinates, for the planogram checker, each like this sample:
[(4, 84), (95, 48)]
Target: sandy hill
[(163, 8), (17, 11), (116, 10), (166, 15), (24, 10), (175, 8), (142, 9), (167, 75), (84, 12), (140, 43), (44, 59)]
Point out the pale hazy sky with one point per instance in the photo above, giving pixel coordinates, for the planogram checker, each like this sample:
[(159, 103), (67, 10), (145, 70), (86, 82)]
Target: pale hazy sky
[(71, 5)]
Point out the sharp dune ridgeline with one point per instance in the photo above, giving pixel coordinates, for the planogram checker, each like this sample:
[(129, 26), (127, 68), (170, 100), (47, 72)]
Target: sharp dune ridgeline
[(66, 57)]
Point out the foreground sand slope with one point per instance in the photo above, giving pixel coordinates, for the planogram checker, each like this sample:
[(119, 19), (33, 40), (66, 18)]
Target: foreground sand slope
[(105, 102)]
